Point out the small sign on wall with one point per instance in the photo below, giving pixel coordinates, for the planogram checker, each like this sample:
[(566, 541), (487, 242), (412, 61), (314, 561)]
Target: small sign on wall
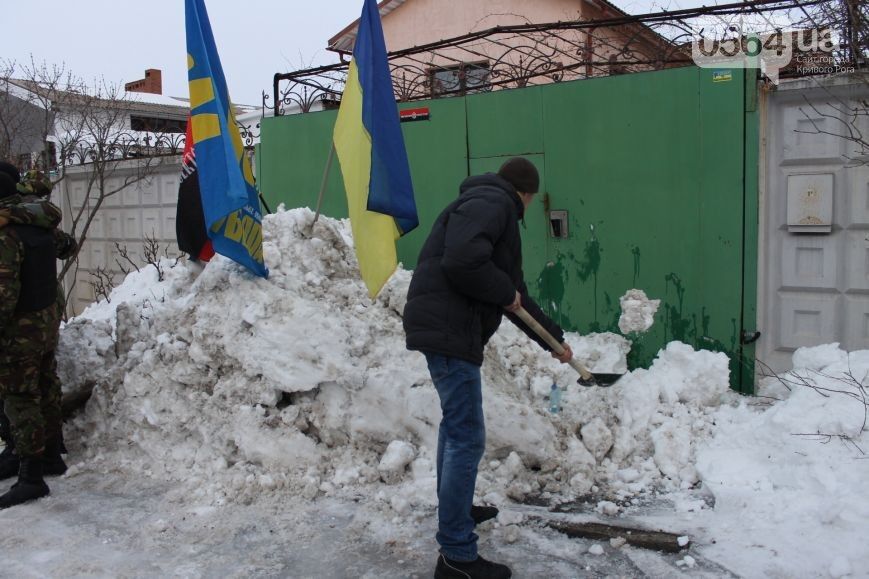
[(417, 114), (810, 203)]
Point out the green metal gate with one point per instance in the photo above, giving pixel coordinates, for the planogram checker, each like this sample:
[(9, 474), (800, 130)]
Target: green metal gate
[(656, 171)]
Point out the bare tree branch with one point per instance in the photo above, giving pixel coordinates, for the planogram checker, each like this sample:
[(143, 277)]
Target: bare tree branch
[(103, 283), (839, 384), (124, 254), (52, 120)]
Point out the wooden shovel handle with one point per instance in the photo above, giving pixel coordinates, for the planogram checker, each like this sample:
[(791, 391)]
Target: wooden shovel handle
[(553, 343)]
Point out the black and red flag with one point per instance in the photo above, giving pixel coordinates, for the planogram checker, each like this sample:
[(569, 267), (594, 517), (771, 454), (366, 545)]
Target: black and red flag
[(190, 219)]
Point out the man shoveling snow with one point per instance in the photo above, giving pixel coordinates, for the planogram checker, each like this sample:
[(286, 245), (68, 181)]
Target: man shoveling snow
[(469, 271)]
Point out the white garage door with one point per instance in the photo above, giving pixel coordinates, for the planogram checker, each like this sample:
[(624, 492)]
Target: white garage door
[(815, 222)]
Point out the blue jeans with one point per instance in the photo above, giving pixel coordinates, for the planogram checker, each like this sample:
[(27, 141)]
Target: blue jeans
[(461, 441)]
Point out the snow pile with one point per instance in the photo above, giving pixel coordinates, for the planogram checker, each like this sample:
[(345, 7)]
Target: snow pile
[(817, 357), (239, 387), (791, 478), (638, 311), (237, 384), (85, 348)]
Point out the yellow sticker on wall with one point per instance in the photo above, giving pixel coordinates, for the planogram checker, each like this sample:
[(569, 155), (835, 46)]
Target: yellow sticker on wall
[(722, 76)]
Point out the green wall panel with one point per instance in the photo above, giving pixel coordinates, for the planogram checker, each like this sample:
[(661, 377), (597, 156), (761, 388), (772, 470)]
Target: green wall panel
[(721, 217), (650, 168), (293, 151), (505, 122), (617, 152), (657, 171), (437, 152)]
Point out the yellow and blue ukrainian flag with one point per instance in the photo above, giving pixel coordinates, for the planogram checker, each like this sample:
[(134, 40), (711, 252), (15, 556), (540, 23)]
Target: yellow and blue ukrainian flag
[(229, 197), (373, 159)]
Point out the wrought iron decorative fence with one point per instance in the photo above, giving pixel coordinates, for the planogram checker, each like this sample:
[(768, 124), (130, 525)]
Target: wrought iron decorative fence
[(129, 145), (520, 55)]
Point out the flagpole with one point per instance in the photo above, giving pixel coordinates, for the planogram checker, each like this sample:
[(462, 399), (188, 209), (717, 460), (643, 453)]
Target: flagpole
[(323, 183), (263, 201)]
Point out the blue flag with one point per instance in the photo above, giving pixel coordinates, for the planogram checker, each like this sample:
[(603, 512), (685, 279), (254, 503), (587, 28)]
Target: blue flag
[(373, 159), (229, 197), (390, 191)]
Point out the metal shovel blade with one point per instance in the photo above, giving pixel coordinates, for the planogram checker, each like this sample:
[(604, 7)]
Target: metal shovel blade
[(602, 380), (586, 378)]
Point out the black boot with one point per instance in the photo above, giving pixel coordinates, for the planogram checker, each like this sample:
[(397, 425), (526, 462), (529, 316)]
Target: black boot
[(8, 458), (478, 569), (52, 462), (481, 514), (30, 485), (8, 462)]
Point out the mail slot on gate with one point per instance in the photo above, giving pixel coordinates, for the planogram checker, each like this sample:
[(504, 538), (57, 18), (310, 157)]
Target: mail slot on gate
[(810, 203), (558, 224)]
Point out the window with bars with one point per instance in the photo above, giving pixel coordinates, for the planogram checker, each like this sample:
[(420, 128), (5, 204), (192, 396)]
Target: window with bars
[(157, 124), (461, 79)]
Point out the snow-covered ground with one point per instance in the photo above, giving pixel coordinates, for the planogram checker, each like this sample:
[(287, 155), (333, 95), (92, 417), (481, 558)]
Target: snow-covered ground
[(250, 427)]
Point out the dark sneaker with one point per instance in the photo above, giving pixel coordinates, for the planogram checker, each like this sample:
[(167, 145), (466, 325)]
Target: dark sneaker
[(483, 514), (478, 569)]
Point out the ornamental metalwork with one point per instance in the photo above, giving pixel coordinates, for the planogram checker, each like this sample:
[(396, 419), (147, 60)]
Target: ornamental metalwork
[(250, 133), (527, 54), (128, 145)]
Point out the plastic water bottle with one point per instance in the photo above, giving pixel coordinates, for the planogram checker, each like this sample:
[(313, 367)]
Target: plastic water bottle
[(555, 399)]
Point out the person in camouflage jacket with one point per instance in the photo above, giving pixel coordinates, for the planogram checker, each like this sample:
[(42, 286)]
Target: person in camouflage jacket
[(30, 206), (36, 183), (29, 322)]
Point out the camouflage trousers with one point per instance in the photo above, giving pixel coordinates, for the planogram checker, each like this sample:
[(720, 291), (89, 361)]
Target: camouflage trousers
[(29, 387)]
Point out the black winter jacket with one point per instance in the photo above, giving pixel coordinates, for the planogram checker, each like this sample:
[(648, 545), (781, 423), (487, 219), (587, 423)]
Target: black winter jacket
[(469, 268)]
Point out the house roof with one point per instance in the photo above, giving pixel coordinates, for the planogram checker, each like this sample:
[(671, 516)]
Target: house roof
[(344, 40), (137, 102)]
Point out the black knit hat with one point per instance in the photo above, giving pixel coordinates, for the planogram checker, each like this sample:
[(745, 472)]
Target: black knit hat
[(521, 173), (7, 186), (11, 170)]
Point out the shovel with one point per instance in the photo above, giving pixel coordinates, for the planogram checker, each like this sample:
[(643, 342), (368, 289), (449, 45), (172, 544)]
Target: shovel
[(586, 378)]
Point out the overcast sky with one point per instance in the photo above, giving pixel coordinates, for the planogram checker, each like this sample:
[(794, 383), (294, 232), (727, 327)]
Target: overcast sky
[(119, 39)]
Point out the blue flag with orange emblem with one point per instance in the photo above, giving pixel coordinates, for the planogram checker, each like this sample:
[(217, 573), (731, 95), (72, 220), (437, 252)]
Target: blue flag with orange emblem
[(229, 198), (373, 159)]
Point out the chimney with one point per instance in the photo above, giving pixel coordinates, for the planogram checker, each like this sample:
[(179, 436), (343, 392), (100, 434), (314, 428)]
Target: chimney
[(152, 83)]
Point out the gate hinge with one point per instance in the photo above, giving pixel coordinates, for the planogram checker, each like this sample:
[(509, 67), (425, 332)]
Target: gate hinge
[(748, 337)]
